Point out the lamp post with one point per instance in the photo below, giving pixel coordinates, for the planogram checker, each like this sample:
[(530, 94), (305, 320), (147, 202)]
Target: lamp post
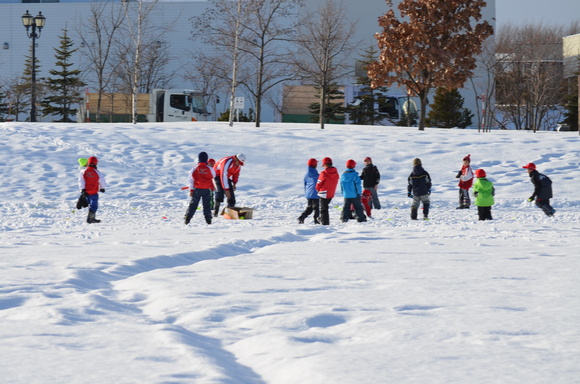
[(32, 24)]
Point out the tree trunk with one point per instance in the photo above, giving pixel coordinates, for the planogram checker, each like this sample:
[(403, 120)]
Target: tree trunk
[(423, 111)]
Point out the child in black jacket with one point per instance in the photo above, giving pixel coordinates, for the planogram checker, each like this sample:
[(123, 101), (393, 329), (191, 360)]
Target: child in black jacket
[(371, 178), (419, 189), (542, 189)]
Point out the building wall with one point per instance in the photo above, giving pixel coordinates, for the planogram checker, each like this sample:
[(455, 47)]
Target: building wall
[(571, 55)]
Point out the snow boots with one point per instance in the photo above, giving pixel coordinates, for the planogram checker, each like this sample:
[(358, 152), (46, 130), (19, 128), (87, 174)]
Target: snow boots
[(413, 213), (425, 212), (91, 218), (187, 219), (216, 209), (464, 200)]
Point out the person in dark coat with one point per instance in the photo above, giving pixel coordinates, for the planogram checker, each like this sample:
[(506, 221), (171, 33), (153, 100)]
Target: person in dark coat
[(419, 188), (542, 189), (371, 178)]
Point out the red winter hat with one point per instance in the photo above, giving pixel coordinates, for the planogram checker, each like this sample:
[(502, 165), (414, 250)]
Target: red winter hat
[(312, 163), (350, 163), (368, 159), (92, 160), (327, 160), (530, 166), (480, 173), (468, 158)]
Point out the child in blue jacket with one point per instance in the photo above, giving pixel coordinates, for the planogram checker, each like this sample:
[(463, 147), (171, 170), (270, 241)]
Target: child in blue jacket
[(351, 187), (310, 192)]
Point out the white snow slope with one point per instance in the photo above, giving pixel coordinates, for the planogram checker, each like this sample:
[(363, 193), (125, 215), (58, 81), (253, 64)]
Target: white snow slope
[(142, 298)]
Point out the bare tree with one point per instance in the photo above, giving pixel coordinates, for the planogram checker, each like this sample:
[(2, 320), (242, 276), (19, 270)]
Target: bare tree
[(98, 33), (151, 70), (254, 36), (137, 24), (530, 82), (208, 73), (324, 42), (433, 44), (219, 27), (17, 96), (484, 87)]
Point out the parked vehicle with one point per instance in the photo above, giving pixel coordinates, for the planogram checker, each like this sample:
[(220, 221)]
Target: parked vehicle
[(161, 105), (562, 128), (176, 105)]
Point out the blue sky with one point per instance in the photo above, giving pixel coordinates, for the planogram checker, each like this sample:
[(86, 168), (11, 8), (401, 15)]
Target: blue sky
[(549, 12)]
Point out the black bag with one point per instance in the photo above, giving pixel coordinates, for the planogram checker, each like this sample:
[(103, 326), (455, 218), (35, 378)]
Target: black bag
[(82, 202), (545, 181)]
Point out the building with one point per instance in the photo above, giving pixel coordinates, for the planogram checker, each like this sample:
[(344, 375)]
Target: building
[(571, 52)]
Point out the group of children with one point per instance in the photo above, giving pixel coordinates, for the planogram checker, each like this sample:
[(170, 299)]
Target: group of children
[(359, 191), (204, 178), (358, 199)]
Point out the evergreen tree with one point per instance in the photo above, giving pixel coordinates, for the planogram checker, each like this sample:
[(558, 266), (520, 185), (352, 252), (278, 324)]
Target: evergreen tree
[(363, 111), (3, 106), (65, 86), (447, 110), (333, 112), (571, 108)]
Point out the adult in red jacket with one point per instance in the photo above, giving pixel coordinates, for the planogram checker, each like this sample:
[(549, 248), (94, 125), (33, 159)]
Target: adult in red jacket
[(326, 187), (201, 187), (227, 172), (91, 182)]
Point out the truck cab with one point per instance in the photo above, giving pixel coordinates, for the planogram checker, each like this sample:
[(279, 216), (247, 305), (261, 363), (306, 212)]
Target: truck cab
[(175, 105)]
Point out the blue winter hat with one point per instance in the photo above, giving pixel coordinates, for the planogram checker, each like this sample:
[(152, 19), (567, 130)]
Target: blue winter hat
[(202, 157)]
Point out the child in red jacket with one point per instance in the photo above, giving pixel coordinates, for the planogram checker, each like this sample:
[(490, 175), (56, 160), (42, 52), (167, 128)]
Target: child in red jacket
[(201, 187), (465, 177), (326, 187)]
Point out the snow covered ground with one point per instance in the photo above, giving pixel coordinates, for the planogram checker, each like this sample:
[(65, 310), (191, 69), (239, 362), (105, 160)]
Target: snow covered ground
[(142, 298)]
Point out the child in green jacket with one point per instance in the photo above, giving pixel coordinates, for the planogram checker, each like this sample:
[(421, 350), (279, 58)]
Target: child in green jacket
[(484, 191)]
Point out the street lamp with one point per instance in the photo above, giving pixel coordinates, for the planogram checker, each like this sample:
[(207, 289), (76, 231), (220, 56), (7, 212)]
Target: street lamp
[(31, 24)]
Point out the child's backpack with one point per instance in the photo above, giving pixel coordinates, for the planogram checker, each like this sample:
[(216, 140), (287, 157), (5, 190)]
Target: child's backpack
[(545, 181)]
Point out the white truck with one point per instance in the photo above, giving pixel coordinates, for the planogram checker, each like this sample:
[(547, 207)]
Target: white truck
[(176, 105), (161, 105)]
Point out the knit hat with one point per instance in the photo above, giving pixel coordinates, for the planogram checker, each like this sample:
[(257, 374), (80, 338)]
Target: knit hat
[(93, 160), (480, 173), (350, 163), (312, 163), (327, 161), (530, 166), (211, 161), (202, 157), (368, 159), (468, 158), (83, 161), (241, 158), (416, 161)]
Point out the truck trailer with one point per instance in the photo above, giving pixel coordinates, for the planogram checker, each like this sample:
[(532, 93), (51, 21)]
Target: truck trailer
[(161, 105)]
